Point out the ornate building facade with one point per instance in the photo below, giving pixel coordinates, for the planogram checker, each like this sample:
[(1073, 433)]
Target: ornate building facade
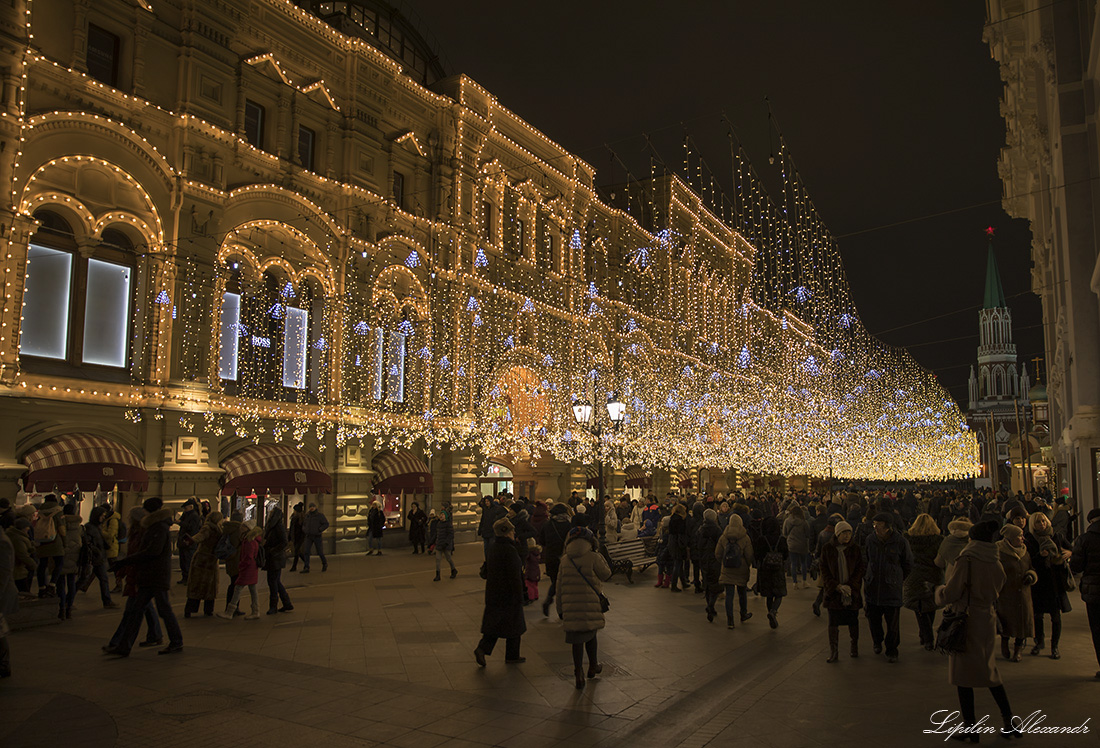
[(263, 249), (1048, 62)]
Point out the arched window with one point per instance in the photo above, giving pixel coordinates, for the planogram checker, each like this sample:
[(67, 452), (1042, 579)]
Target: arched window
[(77, 309)]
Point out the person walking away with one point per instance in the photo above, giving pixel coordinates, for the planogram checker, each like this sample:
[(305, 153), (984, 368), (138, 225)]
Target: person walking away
[(503, 616), (110, 525), (202, 581), (19, 535), (664, 559), (678, 546), (376, 523), (49, 542), (491, 511), (433, 524), (248, 574), (580, 596), (97, 552), (889, 561), (70, 562), (532, 573), (275, 553), (552, 537), (918, 590), (153, 634), (695, 556), (1086, 562), (189, 523), (153, 577), (1015, 618), (233, 529), (771, 556), (1049, 555), (445, 538), (418, 528), (297, 537), (973, 585), (9, 600), (796, 531), (735, 556), (710, 568), (313, 524), (842, 570)]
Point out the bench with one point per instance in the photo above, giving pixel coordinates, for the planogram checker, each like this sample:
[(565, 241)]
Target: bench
[(627, 555)]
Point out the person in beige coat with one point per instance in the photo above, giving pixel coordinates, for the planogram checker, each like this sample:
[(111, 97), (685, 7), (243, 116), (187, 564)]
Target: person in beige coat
[(735, 572), (973, 583), (1014, 612), (579, 593)]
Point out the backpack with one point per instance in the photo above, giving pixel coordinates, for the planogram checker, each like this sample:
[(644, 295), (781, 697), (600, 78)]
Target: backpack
[(773, 559), (45, 531), (225, 548), (734, 554)]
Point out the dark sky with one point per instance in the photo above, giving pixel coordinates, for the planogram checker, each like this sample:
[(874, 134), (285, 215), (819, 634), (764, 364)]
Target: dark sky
[(891, 112)]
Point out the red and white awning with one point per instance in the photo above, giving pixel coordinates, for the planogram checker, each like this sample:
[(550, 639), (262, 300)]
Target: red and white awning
[(593, 475), (683, 478), (274, 468), (399, 471), (84, 461), (636, 477)]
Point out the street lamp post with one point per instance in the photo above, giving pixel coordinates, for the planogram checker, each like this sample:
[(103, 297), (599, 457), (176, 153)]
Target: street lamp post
[(583, 414)]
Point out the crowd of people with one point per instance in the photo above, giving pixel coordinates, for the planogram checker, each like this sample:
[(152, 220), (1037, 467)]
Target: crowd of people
[(1009, 560)]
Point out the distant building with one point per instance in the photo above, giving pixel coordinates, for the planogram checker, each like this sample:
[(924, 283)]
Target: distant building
[(1049, 57)]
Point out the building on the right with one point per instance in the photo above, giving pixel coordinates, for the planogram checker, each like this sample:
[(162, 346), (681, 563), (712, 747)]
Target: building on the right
[(1049, 62)]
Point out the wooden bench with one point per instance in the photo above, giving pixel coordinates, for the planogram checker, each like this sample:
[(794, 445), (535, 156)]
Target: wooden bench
[(626, 556)]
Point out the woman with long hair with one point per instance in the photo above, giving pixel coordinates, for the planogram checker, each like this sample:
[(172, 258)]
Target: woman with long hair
[(917, 590)]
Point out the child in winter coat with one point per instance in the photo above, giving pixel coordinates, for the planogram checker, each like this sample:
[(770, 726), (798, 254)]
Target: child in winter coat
[(248, 575), (664, 558), (533, 572)]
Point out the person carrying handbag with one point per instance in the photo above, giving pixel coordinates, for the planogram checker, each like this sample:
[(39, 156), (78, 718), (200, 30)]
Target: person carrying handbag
[(581, 603)]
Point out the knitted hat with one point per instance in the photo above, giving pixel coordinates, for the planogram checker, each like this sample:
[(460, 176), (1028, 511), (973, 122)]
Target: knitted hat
[(502, 527), (984, 532), (1016, 511), (840, 527), (710, 516), (580, 533), (724, 506), (1011, 532), (961, 523)]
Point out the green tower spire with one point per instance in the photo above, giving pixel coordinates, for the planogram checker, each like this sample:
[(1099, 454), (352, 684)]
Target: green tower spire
[(994, 294)]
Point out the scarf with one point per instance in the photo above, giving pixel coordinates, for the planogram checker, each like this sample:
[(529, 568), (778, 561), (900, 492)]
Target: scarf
[(1009, 549), (841, 564)]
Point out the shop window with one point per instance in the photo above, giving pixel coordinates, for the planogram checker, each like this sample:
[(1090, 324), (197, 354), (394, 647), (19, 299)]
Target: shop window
[(306, 139), (254, 116), (106, 313), (228, 336), (104, 51), (46, 301), (295, 348)]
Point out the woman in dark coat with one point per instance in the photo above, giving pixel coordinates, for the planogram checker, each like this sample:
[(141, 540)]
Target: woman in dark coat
[(503, 617), (842, 568), (973, 584), (710, 568), (275, 551), (297, 534), (1048, 594), (418, 528), (202, 581), (678, 546), (445, 538), (1014, 615), (771, 554), (917, 591), (376, 523)]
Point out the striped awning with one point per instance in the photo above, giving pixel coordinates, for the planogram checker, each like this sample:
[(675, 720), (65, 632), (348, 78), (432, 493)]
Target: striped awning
[(683, 478), (399, 471), (84, 461), (274, 468), (592, 474), (636, 477)]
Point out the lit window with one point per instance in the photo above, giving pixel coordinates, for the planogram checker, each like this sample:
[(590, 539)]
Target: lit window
[(379, 350), (106, 314), (46, 297), (254, 116), (103, 55), (229, 336), (395, 368), (295, 348)]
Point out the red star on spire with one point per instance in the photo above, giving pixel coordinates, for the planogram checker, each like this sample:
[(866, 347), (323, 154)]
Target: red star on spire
[(990, 231)]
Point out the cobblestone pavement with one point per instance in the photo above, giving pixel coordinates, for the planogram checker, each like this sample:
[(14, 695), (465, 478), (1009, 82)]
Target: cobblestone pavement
[(376, 653)]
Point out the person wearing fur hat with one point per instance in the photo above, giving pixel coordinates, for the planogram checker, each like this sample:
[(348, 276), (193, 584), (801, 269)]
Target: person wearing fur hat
[(1014, 613), (376, 523), (958, 535), (1086, 562), (202, 581), (1049, 554), (842, 569), (974, 583), (579, 600), (734, 567), (153, 577), (503, 616), (924, 540)]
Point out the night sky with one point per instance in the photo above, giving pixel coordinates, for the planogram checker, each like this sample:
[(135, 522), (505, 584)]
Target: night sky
[(891, 113)]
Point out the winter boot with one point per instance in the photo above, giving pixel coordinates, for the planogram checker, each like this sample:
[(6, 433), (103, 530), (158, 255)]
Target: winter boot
[(228, 613), (1004, 648), (1016, 647), (834, 644), (660, 580), (855, 640), (1039, 644)]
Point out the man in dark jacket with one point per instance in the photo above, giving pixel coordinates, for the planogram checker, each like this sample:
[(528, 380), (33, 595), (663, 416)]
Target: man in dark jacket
[(190, 522), (153, 578), (889, 560), (313, 524), (491, 511), (1086, 562), (503, 617), (552, 539)]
